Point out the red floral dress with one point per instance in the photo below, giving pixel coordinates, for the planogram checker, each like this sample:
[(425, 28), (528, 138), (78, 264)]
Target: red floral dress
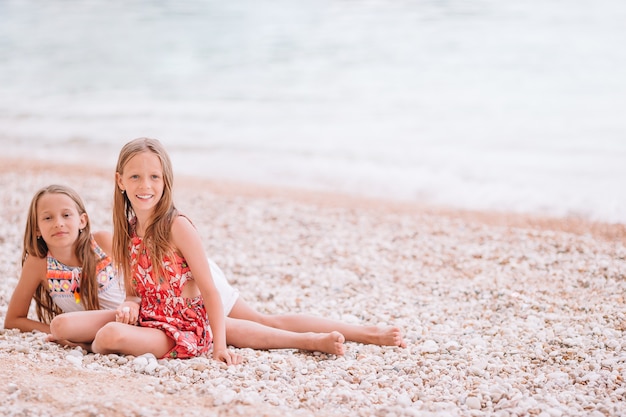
[(162, 306)]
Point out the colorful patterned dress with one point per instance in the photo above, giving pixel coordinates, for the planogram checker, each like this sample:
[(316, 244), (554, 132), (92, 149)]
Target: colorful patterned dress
[(64, 282), (163, 307)]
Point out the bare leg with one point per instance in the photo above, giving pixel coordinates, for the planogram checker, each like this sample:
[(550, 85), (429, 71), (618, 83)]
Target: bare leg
[(127, 339), (249, 334), (80, 326), (302, 323)]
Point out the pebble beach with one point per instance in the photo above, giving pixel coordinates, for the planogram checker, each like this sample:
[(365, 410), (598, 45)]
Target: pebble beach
[(502, 314)]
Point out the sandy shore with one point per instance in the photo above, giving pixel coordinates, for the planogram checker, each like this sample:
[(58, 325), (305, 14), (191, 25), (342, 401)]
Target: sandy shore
[(503, 314)]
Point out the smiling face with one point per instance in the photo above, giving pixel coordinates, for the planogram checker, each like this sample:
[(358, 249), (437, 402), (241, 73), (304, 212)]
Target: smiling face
[(142, 181), (58, 220)]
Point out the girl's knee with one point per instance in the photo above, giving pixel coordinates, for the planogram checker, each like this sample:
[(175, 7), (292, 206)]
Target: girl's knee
[(60, 327), (107, 338)]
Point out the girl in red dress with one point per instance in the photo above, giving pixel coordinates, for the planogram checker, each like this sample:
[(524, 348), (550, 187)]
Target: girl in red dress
[(169, 287)]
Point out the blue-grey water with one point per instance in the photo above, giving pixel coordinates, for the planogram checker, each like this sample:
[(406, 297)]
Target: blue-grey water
[(474, 104)]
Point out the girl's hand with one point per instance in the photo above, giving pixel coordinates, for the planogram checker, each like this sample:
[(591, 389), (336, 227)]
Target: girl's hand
[(127, 312), (226, 356)]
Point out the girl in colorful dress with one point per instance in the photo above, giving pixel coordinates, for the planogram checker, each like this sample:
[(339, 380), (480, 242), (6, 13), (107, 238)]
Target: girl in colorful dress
[(65, 269), (169, 286)]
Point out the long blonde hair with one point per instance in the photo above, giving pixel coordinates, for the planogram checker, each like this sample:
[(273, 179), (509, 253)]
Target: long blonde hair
[(34, 246), (156, 238)]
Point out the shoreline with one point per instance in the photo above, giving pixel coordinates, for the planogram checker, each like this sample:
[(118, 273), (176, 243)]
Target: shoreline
[(502, 314), (576, 225)]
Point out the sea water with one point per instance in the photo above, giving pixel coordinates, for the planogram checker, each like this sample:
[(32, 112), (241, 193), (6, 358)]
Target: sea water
[(479, 104)]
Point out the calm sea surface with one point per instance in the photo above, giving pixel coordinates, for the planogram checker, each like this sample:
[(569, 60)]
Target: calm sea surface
[(488, 104)]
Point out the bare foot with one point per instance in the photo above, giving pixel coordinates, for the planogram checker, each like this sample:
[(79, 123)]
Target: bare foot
[(67, 343), (385, 336), (329, 343), (395, 334)]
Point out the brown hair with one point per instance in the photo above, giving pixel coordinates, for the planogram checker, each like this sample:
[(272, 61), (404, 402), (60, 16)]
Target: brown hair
[(34, 246), (157, 232)]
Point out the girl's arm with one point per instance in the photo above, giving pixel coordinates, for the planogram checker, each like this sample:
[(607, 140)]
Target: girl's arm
[(186, 239), (33, 274), (128, 311)]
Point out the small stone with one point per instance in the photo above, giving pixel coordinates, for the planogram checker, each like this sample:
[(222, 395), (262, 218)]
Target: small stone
[(404, 400), (476, 370), (263, 368), (76, 352), (554, 412), (430, 346), (148, 356), (151, 367), (225, 397), (74, 360), (140, 362), (452, 346), (473, 403), (22, 348), (496, 393)]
